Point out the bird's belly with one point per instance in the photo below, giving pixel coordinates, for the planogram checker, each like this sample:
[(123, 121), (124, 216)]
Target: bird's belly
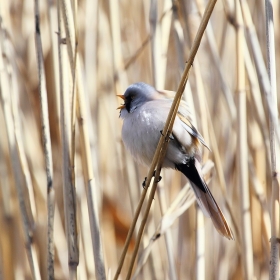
[(140, 137), (141, 134)]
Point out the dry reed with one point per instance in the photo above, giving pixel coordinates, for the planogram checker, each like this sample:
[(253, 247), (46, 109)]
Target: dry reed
[(69, 191)]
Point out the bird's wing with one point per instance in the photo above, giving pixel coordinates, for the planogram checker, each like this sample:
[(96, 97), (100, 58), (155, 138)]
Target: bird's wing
[(184, 115), (191, 129)]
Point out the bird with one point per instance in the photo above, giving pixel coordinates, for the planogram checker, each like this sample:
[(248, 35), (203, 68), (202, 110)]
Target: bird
[(144, 114)]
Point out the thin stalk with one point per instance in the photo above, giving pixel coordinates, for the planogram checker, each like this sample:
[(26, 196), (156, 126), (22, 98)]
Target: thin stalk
[(69, 24), (6, 176), (148, 207), (168, 236), (162, 145), (160, 30), (133, 223), (138, 52), (68, 185), (217, 62), (5, 96), (181, 203), (200, 245), (46, 142), (30, 198), (274, 145), (144, 192), (91, 44), (80, 110), (200, 225), (119, 74), (256, 95), (155, 43), (260, 65), (120, 80), (92, 190), (260, 194), (165, 21), (247, 250)]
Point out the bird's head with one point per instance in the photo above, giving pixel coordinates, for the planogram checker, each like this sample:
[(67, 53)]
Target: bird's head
[(136, 95)]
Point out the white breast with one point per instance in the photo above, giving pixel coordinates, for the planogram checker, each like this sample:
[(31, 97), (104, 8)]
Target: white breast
[(141, 133)]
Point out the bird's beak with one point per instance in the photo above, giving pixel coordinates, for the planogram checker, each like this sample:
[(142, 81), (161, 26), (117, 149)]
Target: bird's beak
[(123, 98)]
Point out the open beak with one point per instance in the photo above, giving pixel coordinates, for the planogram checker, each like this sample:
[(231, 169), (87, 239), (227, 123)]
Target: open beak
[(123, 98)]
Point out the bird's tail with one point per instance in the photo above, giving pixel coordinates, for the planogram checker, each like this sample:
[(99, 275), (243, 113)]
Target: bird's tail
[(205, 199)]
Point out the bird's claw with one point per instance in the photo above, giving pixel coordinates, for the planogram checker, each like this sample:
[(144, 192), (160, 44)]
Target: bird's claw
[(159, 179), (144, 182), (170, 137)]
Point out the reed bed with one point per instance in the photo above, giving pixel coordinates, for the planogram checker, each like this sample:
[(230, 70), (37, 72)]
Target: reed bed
[(72, 202)]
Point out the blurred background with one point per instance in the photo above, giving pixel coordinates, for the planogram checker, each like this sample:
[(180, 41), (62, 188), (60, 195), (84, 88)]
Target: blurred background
[(68, 65)]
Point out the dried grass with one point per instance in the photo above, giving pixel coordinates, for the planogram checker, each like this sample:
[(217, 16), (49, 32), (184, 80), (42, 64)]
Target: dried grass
[(60, 139)]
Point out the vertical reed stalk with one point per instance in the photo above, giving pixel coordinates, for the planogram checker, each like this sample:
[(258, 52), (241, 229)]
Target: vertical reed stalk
[(167, 236), (80, 109), (46, 142), (217, 62), (68, 184), (274, 144), (6, 103), (92, 190), (259, 61), (155, 43), (247, 250)]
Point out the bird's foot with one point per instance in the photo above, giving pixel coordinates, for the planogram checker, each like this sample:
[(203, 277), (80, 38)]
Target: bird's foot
[(144, 182), (169, 138)]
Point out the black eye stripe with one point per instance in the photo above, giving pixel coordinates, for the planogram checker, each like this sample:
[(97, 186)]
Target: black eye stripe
[(128, 101), (130, 98)]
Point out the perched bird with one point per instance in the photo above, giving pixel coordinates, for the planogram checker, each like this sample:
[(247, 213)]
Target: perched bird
[(144, 114)]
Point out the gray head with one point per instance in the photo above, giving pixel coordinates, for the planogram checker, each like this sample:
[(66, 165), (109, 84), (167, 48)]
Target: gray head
[(136, 95)]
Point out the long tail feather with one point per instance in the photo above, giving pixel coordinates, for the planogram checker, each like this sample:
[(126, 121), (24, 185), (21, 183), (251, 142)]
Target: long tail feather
[(205, 199)]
